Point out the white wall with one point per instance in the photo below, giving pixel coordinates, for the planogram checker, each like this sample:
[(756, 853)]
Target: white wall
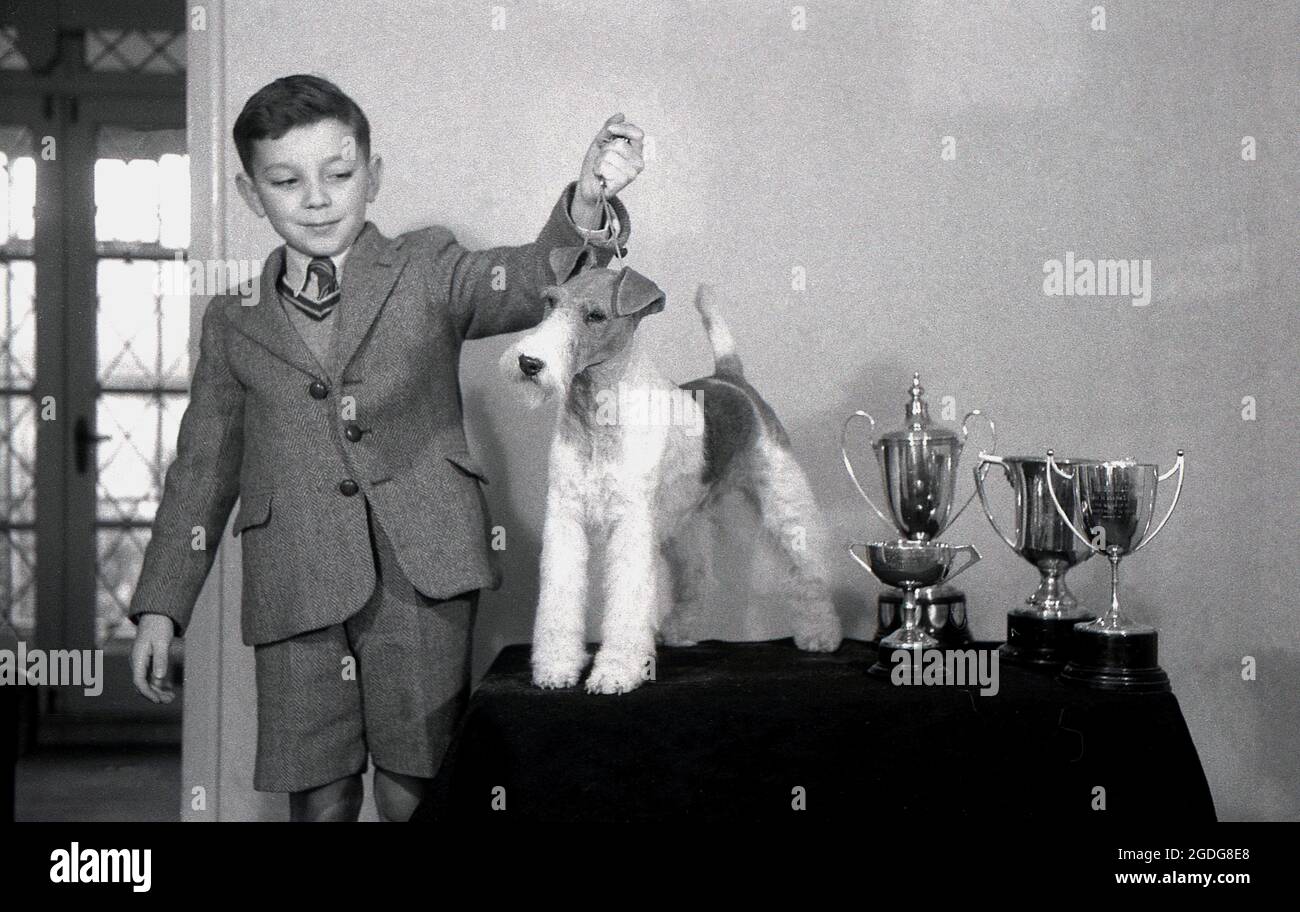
[(820, 148)]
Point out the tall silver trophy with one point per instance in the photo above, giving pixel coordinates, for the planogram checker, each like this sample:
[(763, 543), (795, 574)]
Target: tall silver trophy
[(1115, 502), (918, 471), (1039, 631)]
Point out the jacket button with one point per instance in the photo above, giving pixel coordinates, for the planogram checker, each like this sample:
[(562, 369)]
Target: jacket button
[(352, 431), (318, 390), (348, 487)]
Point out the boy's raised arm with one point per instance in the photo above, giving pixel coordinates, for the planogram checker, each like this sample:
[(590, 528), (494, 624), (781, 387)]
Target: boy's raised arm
[(497, 290), (201, 486)]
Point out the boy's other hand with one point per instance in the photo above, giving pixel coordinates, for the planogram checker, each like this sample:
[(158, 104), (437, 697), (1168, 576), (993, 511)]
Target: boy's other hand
[(615, 157), (153, 640)]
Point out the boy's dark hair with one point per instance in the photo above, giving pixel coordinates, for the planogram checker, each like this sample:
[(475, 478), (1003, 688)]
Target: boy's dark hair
[(296, 101)]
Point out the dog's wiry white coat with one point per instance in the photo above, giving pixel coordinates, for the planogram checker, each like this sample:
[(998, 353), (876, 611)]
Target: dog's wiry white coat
[(622, 494)]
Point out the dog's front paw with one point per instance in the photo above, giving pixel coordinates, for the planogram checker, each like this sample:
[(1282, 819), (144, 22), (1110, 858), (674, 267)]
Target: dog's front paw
[(618, 673), (819, 633), (556, 669), (555, 678)]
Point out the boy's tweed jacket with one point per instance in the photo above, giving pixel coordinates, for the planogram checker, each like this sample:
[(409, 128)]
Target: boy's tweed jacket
[(303, 451)]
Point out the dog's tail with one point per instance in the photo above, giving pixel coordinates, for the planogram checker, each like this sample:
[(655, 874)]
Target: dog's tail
[(725, 359)]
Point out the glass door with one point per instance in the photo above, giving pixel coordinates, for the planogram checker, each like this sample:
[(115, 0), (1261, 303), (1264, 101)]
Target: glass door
[(128, 368), (94, 337)]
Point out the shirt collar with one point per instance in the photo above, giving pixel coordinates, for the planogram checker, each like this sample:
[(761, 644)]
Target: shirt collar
[(295, 267)]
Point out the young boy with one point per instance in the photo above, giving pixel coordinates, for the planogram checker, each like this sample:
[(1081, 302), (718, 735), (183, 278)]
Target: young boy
[(338, 378)]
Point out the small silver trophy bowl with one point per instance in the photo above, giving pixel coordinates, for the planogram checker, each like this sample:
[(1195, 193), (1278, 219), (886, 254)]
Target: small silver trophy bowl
[(1038, 631), (912, 566), (1116, 503)]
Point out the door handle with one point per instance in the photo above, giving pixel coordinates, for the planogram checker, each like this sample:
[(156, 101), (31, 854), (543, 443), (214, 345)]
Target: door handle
[(84, 442)]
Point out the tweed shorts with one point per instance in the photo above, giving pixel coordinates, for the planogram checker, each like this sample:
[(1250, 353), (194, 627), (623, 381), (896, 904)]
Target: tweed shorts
[(391, 681)]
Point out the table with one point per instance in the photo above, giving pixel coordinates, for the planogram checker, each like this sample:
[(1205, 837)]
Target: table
[(763, 731), (9, 722)]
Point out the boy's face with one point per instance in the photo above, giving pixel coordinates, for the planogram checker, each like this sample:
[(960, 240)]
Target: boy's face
[(313, 184)]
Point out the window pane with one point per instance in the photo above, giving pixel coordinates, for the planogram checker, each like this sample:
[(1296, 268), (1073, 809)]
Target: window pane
[(17, 408), (120, 555), (17, 324), (11, 58), (119, 51), (132, 464), (17, 460), (143, 323), (17, 185), (142, 187), (18, 580)]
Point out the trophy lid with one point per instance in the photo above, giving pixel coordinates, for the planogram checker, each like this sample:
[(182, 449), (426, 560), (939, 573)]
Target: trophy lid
[(918, 428)]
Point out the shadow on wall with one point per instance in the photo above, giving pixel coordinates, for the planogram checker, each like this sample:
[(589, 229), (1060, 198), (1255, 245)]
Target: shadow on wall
[(506, 615)]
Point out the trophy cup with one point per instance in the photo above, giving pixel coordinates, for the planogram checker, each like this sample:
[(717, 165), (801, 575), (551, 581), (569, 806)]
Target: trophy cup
[(918, 470), (911, 566), (1116, 502), (1039, 631)]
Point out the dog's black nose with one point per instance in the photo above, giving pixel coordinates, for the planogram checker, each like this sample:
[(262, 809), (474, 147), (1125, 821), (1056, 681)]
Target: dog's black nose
[(530, 366)]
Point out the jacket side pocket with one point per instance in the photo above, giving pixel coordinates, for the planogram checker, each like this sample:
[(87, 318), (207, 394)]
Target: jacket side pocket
[(254, 510), (462, 460)]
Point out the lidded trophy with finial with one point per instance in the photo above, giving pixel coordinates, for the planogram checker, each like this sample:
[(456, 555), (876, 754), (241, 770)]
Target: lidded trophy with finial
[(918, 472)]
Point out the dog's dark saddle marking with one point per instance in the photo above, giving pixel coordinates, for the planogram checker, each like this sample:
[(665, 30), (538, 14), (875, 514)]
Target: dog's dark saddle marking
[(735, 416)]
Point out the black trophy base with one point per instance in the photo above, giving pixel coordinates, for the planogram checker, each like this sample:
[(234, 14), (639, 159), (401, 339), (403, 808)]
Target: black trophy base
[(1036, 642), (887, 658), (1125, 663), (942, 609)]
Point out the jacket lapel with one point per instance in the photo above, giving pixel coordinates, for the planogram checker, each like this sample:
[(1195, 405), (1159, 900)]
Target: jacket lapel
[(265, 322), (371, 270), (369, 274)]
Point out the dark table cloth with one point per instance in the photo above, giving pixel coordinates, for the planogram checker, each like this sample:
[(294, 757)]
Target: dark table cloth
[(739, 731), (9, 716)]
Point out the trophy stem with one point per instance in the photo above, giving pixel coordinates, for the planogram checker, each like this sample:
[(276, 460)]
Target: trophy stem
[(911, 635), (1053, 596), (911, 614), (1112, 619), (1039, 635), (1111, 654)]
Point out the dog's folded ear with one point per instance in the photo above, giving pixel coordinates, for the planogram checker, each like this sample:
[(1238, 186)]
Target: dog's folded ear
[(567, 262), (634, 293)]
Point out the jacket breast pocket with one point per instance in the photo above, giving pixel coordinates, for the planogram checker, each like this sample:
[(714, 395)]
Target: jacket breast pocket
[(254, 511), (463, 460)]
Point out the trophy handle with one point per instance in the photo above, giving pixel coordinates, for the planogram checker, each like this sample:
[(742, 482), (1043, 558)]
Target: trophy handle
[(973, 558), (981, 472), (853, 554), (973, 413), (844, 433), (1052, 467), (1180, 468)]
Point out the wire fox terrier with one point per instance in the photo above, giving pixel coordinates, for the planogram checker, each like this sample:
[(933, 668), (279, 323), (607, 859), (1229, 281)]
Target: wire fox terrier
[(637, 468)]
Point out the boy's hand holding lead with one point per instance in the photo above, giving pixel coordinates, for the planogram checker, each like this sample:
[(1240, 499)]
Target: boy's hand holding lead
[(614, 157)]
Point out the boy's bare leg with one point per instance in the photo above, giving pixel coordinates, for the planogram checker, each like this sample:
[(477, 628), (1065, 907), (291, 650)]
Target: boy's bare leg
[(398, 795), (337, 802)]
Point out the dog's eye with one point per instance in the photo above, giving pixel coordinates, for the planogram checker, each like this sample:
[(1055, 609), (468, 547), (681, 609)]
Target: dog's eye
[(595, 316)]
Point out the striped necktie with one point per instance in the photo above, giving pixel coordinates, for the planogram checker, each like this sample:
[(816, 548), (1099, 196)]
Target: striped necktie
[(320, 292)]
